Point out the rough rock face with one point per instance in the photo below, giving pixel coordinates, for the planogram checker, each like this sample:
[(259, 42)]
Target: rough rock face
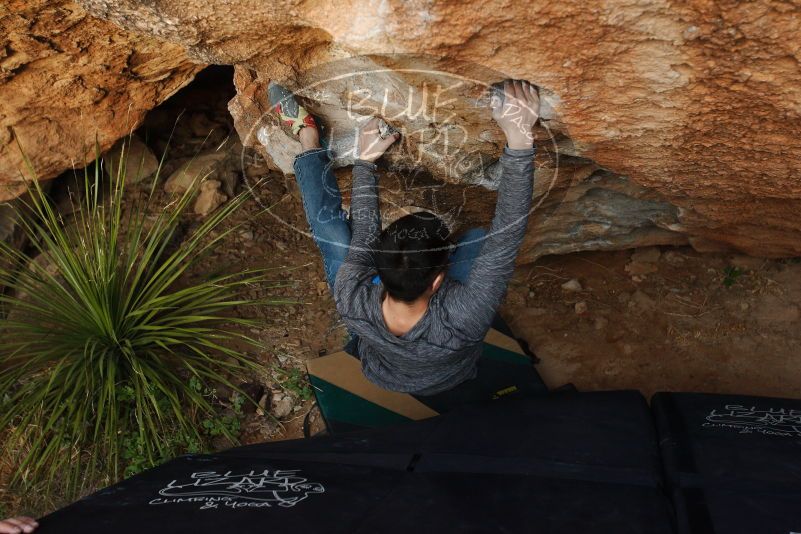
[(697, 104), (66, 77), (448, 133)]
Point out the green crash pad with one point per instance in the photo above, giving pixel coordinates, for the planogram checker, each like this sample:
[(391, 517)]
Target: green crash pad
[(348, 401)]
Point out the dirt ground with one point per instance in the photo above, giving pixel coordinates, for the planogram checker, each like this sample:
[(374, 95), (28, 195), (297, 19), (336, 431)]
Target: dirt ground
[(694, 322)]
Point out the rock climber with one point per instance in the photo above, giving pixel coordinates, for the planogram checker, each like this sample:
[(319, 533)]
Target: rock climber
[(417, 305)]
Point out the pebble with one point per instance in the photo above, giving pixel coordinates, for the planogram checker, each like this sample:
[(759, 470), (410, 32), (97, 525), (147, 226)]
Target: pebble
[(646, 255), (581, 308), (140, 163), (197, 168), (746, 263), (635, 268), (263, 404), (210, 198), (643, 261), (282, 407), (673, 258), (642, 301), (572, 285), (322, 288)]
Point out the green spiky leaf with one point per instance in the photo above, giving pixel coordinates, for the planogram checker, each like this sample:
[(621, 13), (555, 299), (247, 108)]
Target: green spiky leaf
[(104, 338)]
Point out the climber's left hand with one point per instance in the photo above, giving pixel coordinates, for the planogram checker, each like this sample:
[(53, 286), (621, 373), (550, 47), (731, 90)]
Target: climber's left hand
[(516, 109)]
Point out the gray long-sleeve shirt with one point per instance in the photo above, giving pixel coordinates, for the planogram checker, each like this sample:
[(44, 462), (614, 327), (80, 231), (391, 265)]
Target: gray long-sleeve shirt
[(442, 349)]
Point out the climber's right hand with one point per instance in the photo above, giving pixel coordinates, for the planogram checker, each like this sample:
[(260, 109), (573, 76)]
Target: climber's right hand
[(516, 110), (370, 145)]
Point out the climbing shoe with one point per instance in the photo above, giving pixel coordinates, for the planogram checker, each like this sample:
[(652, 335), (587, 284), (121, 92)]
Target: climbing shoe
[(292, 114)]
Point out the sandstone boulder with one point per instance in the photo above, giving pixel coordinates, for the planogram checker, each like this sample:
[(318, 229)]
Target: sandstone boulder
[(698, 104), (68, 79), (689, 113), (139, 162), (201, 167), (209, 198)]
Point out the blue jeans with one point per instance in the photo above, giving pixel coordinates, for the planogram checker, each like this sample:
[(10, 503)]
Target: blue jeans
[(330, 226)]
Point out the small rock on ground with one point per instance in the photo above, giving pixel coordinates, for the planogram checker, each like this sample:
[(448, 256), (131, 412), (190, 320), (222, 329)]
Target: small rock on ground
[(646, 255), (643, 261), (642, 301), (210, 198), (746, 263), (282, 405), (572, 285), (140, 162), (198, 168)]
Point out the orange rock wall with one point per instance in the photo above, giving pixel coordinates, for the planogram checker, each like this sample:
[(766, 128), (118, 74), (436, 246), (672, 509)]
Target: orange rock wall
[(66, 79), (698, 102)]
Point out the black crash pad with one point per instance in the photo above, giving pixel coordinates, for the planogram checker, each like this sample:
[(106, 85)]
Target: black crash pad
[(733, 463), (566, 463)]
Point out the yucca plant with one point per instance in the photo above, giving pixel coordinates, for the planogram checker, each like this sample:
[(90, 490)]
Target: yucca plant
[(107, 352)]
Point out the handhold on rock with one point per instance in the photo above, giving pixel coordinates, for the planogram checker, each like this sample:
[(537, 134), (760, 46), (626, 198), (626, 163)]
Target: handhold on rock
[(210, 198)]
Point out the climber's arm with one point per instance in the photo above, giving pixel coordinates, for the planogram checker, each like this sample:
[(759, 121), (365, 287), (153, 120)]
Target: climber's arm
[(479, 298), (364, 212)]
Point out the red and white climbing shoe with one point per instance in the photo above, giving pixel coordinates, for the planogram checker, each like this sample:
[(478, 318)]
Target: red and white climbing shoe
[(292, 114)]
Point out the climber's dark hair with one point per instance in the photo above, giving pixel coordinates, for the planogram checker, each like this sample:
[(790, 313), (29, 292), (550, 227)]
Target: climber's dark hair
[(411, 252)]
